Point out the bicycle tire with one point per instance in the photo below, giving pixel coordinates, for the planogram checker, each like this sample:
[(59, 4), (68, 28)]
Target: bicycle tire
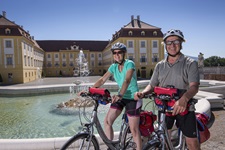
[(152, 145), (80, 141), (127, 139)]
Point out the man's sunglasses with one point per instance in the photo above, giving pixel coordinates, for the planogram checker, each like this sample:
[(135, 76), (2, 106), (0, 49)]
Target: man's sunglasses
[(176, 42), (119, 52)]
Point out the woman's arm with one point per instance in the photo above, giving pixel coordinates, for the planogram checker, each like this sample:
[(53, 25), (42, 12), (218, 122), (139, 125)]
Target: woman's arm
[(102, 80)]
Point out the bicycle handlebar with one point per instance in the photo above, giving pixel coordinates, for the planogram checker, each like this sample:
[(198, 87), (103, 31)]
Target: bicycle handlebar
[(97, 97)]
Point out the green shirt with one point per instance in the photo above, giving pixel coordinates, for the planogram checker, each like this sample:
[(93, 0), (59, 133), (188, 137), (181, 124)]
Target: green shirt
[(120, 77)]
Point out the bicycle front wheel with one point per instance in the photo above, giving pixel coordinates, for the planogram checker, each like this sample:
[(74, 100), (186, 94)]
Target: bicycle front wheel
[(81, 142)]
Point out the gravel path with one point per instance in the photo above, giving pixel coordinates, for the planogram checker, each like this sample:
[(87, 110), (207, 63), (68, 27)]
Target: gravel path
[(217, 131)]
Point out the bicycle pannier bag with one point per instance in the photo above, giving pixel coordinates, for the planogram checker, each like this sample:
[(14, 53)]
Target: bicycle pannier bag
[(100, 94), (202, 120), (146, 126), (167, 91)]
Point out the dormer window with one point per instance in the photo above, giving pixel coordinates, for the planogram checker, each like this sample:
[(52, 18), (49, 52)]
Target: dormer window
[(7, 31), (130, 33), (155, 33), (142, 33)]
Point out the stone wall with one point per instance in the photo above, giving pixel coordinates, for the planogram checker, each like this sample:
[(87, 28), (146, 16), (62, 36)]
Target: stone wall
[(212, 73)]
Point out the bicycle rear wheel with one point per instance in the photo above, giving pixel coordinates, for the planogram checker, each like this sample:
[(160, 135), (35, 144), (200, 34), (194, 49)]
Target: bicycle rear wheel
[(80, 142)]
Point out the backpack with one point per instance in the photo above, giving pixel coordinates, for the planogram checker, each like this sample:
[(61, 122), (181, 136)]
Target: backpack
[(202, 120), (146, 126)]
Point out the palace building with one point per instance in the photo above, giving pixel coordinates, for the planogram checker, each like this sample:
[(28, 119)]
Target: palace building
[(24, 59)]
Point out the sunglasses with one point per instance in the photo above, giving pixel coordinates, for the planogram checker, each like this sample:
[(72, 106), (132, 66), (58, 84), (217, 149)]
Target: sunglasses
[(119, 52), (176, 42)]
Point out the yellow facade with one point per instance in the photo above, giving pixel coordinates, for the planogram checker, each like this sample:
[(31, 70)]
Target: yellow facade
[(23, 60)]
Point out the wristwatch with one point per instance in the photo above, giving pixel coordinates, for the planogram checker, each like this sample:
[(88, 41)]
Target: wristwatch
[(120, 95)]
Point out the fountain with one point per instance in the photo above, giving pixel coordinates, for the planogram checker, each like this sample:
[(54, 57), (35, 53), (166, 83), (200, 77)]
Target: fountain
[(82, 66)]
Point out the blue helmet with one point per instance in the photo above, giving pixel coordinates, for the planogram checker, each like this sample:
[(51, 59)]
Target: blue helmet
[(119, 46), (173, 32)]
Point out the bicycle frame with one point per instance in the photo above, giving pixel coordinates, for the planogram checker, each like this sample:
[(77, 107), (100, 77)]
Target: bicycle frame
[(160, 137), (89, 128)]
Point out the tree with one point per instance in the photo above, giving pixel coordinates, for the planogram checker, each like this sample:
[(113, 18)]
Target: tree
[(138, 73), (214, 61), (60, 73), (151, 72)]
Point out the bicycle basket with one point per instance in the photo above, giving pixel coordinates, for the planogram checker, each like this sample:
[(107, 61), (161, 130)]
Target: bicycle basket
[(146, 126), (100, 94)]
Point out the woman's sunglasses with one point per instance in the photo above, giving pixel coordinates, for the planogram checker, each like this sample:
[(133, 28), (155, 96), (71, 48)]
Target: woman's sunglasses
[(119, 52)]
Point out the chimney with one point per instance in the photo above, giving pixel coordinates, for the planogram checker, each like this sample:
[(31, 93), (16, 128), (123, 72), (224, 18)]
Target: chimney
[(4, 14), (132, 17), (138, 18)]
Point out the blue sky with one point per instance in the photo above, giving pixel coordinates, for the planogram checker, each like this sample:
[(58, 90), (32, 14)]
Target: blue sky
[(202, 21)]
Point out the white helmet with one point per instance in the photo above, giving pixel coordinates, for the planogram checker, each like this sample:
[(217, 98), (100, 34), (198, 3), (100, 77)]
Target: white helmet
[(173, 32)]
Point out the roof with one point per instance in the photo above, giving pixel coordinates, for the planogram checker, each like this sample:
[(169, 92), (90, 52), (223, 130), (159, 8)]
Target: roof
[(138, 24), (57, 45)]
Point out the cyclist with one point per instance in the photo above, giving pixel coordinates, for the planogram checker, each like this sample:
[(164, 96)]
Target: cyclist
[(124, 73), (181, 72)]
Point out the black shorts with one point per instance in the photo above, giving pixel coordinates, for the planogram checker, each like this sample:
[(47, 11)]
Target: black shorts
[(132, 107), (186, 123)]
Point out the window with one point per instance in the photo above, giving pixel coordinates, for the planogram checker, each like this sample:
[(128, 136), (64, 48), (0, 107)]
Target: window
[(100, 63), (64, 56), (100, 55), (56, 64), (130, 44), (9, 60), (71, 55), (8, 44), (143, 44), (155, 58), (7, 31), (155, 33), (143, 33), (130, 33), (71, 64), (131, 58), (25, 61), (64, 64), (49, 64), (155, 44), (143, 59), (56, 56), (92, 55), (49, 56)]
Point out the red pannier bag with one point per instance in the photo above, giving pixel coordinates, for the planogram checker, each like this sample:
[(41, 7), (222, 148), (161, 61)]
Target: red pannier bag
[(202, 120), (146, 126)]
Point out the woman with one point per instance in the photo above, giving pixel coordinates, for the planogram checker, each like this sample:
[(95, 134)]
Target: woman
[(124, 73)]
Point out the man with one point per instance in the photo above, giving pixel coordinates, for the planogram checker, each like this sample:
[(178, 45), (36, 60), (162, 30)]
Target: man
[(181, 72)]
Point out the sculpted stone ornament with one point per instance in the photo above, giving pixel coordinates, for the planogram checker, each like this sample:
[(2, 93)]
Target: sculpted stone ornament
[(76, 102)]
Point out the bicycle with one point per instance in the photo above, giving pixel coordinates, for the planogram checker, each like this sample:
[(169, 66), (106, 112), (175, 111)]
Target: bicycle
[(160, 137), (86, 139)]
